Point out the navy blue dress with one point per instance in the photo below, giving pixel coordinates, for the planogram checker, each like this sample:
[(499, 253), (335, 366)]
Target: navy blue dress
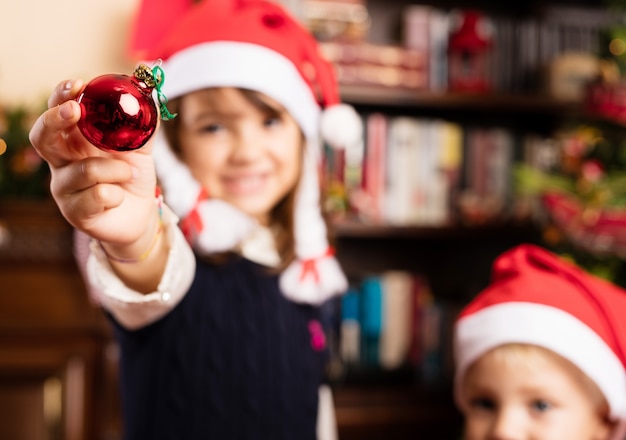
[(233, 360)]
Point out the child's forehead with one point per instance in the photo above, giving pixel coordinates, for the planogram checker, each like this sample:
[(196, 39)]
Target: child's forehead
[(523, 355), (531, 368)]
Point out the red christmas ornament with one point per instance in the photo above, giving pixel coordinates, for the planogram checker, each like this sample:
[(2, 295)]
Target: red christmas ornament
[(118, 112), (469, 51)]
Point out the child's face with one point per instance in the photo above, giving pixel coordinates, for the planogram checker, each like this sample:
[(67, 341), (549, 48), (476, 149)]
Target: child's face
[(520, 400), (238, 152)]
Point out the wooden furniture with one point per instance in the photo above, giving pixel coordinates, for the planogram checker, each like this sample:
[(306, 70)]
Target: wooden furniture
[(55, 352)]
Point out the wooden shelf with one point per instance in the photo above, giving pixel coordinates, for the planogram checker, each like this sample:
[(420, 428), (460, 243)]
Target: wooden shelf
[(456, 259), (354, 230), (362, 95)]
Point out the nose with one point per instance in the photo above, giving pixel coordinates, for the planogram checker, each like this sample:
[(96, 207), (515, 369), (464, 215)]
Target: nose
[(246, 144), (508, 424)]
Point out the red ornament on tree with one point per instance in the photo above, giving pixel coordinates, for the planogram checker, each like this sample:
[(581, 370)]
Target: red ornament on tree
[(118, 112)]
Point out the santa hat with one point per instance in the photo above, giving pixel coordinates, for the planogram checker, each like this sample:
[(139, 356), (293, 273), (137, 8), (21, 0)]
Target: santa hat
[(537, 298), (254, 45)]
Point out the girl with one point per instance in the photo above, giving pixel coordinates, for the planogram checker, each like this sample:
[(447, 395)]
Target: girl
[(214, 288), (540, 353)]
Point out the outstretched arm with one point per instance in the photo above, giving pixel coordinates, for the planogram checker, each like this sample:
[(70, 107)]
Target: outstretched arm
[(108, 196)]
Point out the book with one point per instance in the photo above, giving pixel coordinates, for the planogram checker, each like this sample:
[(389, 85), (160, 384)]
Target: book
[(420, 293), (371, 320), (426, 29), (486, 188), (402, 148), (336, 20), (370, 64), (432, 353), (439, 28), (374, 167), (434, 181), (395, 339), (452, 164), (417, 32), (350, 328)]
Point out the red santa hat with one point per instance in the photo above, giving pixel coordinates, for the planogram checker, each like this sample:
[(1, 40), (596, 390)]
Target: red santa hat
[(537, 298), (254, 45)]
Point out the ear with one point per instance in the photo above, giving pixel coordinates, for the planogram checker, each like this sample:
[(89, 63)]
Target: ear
[(607, 429)]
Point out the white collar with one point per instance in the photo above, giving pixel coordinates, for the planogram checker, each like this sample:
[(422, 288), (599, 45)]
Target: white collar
[(260, 247)]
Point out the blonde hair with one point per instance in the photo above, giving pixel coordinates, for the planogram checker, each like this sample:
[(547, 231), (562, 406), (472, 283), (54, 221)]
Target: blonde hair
[(528, 355)]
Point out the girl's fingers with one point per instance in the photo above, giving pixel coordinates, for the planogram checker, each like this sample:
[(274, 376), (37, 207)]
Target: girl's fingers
[(49, 135), (64, 91), (83, 207), (89, 172), (86, 189), (55, 130)]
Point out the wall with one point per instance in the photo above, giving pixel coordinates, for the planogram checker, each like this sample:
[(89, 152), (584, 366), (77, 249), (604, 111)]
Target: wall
[(43, 42)]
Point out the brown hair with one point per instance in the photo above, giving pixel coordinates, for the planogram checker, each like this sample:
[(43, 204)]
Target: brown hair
[(282, 215)]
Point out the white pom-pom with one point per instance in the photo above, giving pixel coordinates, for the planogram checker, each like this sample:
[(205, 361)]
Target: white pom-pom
[(310, 290), (341, 126), (224, 226)]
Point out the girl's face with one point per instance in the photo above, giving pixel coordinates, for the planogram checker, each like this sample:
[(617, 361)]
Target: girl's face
[(240, 153), (514, 400)]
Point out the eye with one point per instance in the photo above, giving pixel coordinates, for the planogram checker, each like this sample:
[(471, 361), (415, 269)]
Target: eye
[(540, 405), (272, 121), (482, 403), (211, 128)]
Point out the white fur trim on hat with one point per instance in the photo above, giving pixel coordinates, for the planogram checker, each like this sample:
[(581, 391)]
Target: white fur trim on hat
[(548, 327), (248, 66)]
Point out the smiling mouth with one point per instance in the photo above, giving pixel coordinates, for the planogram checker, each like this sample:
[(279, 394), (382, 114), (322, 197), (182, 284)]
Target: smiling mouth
[(245, 184)]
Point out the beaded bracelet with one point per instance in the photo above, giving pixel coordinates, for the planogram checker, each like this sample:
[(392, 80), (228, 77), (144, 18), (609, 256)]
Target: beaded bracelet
[(155, 239)]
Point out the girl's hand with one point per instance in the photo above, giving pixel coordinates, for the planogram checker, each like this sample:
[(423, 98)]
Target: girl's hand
[(109, 196)]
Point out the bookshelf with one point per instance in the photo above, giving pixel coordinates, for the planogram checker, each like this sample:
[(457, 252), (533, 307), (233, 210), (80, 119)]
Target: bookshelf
[(455, 255)]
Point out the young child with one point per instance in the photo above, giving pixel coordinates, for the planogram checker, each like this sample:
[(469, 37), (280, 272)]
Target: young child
[(214, 292), (540, 353)]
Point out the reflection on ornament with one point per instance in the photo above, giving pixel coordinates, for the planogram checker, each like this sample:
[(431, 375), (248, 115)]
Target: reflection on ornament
[(118, 112)]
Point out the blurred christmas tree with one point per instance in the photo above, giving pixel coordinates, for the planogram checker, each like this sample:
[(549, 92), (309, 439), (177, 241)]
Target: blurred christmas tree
[(581, 195), (580, 191), (613, 44), (23, 174)]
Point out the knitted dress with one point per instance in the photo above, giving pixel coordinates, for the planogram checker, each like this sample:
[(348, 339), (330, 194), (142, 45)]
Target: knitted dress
[(233, 360)]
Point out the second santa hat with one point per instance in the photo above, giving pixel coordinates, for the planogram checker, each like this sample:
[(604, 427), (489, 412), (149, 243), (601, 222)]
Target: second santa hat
[(537, 298)]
